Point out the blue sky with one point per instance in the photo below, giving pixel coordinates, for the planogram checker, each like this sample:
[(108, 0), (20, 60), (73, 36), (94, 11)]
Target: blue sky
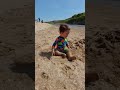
[(49, 10)]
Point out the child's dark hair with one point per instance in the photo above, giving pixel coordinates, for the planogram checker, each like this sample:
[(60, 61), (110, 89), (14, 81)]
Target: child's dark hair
[(63, 28)]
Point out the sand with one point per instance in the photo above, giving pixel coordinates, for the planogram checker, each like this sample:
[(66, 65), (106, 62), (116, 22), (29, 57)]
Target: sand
[(17, 48), (102, 44), (53, 72)]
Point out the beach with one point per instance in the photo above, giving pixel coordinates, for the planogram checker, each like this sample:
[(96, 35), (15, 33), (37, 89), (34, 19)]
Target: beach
[(53, 72)]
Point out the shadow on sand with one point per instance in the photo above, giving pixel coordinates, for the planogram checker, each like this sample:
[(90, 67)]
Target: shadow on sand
[(46, 54), (27, 68)]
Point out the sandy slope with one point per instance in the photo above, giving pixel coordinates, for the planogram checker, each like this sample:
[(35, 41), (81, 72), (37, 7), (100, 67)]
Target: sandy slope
[(55, 73)]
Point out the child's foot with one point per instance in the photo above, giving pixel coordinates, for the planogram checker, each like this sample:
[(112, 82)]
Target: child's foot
[(63, 55), (71, 58)]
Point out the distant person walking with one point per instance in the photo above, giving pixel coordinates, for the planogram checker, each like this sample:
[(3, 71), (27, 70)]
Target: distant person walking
[(42, 21), (38, 19)]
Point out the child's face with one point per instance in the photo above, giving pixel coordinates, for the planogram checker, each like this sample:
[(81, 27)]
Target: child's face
[(65, 34)]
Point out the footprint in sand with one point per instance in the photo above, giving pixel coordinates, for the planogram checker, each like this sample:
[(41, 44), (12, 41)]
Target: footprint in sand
[(61, 84), (44, 75), (67, 67), (66, 70)]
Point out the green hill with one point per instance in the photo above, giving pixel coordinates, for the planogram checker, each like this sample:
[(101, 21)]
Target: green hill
[(75, 19)]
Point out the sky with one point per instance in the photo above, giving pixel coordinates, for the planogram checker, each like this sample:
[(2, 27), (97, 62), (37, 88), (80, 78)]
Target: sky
[(49, 10)]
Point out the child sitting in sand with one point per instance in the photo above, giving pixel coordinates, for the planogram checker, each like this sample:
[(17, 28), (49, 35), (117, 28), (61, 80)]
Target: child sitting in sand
[(61, 47)]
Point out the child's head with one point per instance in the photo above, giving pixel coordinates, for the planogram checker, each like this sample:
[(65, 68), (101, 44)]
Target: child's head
[(64, 30)]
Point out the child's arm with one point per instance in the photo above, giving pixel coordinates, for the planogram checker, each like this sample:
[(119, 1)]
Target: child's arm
[(54, 46), (53, 51), (68, 44)]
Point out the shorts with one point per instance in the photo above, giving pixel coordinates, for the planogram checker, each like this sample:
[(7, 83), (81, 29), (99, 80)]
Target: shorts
[(63, 51)]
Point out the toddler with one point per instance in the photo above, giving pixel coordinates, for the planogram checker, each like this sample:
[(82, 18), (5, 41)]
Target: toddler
[(61, 47)]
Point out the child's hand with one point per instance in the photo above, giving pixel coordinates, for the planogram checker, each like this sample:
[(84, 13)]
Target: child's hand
[(68, 47), (53, 52)]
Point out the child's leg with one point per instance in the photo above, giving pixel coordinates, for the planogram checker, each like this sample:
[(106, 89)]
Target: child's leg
[(58, 53), (69, 56)]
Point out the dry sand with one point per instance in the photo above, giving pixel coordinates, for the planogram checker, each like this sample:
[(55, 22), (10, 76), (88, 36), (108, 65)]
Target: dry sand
[(55, 73)]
